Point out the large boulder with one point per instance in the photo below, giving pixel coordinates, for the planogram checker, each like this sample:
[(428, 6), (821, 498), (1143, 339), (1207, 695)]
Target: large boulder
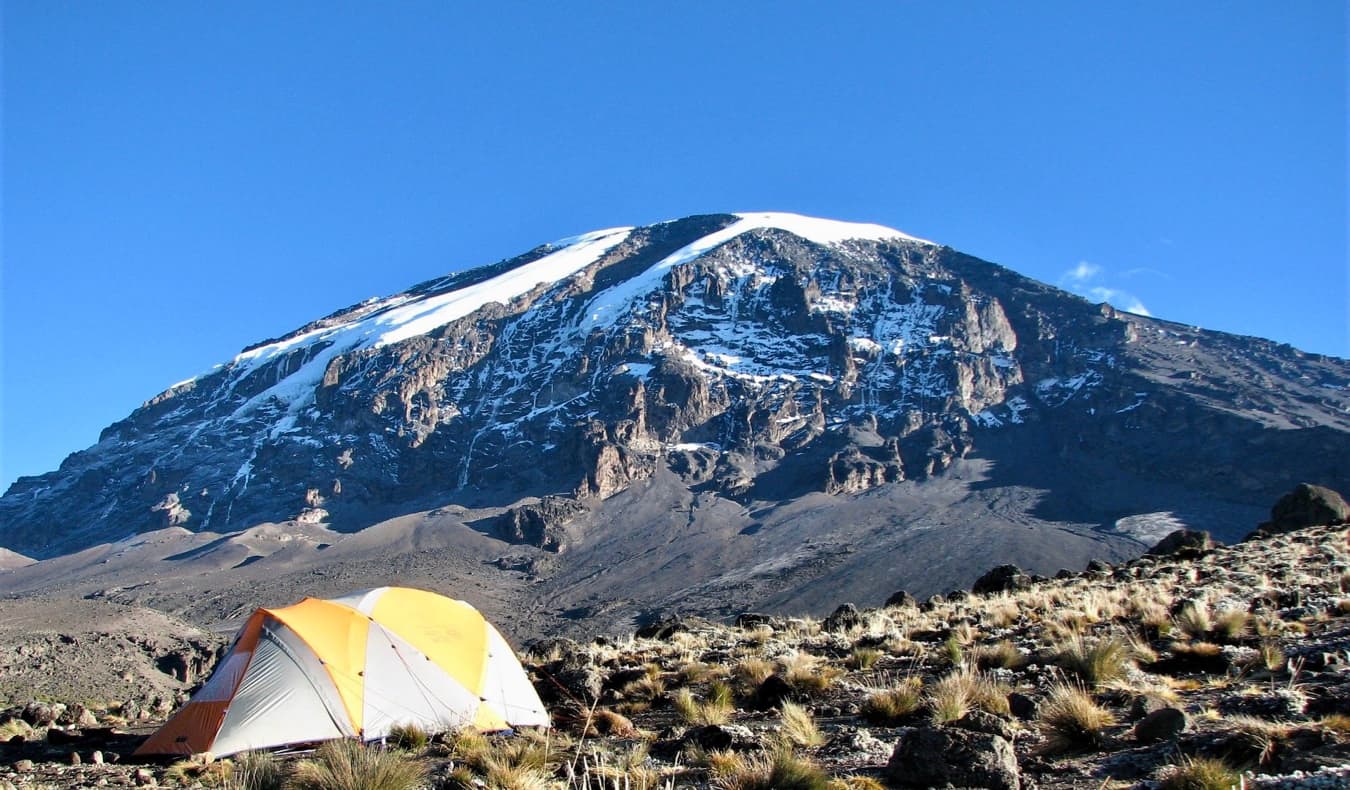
[(947, 757), (1182, 544), (1306, 506), (1004, 578)]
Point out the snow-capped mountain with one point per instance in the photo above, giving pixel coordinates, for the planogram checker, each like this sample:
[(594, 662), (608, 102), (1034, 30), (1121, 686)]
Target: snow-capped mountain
[(750, 359)]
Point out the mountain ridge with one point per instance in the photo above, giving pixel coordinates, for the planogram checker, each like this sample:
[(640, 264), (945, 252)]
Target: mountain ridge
[(728, 365)]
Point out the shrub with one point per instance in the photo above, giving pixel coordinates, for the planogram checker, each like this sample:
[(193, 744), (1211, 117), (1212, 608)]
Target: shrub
[(1201, 773), (350, 765), (1070, 719)]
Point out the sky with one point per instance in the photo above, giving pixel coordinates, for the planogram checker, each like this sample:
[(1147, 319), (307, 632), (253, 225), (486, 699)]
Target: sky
[(181, 180)]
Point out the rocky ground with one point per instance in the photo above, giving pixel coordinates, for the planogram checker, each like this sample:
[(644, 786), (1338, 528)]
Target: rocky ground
[(1232, 660)]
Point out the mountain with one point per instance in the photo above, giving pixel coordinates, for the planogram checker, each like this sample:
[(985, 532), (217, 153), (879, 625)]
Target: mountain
[(709, 413)]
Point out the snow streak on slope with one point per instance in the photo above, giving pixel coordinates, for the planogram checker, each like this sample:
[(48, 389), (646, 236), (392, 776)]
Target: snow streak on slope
[(402, 317), (607, 308)]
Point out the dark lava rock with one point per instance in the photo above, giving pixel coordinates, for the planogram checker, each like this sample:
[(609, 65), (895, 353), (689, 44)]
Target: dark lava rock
[(1183, 544), (722, 736), (1023, 706), (772, 692), (752, 620), (985, 722), (1163, 724), (901, 598), (1004, 578), (938, 757), (1306, 506), (842, 619)]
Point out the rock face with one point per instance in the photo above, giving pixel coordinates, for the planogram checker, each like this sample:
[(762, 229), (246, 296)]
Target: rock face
[(950, 757), (756, 358)]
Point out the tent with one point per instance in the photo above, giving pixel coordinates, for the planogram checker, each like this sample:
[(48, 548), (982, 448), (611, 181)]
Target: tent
[(354, 667)]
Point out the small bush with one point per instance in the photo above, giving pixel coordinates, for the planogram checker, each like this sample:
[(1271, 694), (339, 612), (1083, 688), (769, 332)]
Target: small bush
[(1201, 773), (1070, 719), (350, 765)]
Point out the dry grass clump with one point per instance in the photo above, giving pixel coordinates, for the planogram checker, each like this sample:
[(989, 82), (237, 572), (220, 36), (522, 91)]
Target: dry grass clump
[(700, 672), (779, 769), (1232, 625), (1071, 719), (715, 708), (1105, 659), (625, 769), (799, 727), (525, 761), (854, 783), (350, 765), (954, 695), (753, 671), (199, 770), (1003, 654), (1201, 773), (257, 771), (889, 706), (807, 673), (15, 727), (409, 737), (1194, 620), (863, 658)]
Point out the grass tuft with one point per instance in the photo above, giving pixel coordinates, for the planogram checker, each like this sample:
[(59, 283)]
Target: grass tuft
[(1101, 661), (257, 771), (1071, 719), (350, 765), (1201, 773), (892, 705), (799, 727)]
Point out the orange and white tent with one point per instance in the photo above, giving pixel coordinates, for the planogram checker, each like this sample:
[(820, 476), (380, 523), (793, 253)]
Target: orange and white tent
[(354, 667)]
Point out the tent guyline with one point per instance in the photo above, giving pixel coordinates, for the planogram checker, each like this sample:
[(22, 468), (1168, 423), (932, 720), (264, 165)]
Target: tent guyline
[(354, 667)]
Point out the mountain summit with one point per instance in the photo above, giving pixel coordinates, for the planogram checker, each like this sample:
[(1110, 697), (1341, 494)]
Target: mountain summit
[(735, 374)]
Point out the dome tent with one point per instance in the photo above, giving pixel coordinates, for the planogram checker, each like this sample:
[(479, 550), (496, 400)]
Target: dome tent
[(354, 667)]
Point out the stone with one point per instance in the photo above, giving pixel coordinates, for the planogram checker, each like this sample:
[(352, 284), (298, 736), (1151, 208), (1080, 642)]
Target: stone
[(902, 599), (96, 758), (772, 692), (1307, 505), (74, 758), (737, 737), (1004, 578), (1183, 544), (753, 620), (983, 721), (1164, 724), (23, 766), (1098, 566), (40, 714), (945, 756), (1023, 706), (143, 778), (842, 619)]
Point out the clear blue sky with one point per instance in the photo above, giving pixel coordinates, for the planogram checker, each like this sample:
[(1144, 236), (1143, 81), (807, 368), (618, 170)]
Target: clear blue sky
[(183, 179)]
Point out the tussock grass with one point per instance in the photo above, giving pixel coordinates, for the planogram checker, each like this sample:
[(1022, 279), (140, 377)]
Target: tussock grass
[(349, 765), (257, 771), (753, 671), (892, 705), (716, 708), (1003, 654), (409, 737), (1194, 620), (954, 695), (1097, 662), (854, 783), (777, 770), (1201, 773), (1071, 719), (799, 727), (863, 658), (807, 673), (200, 770), (1232, 625)]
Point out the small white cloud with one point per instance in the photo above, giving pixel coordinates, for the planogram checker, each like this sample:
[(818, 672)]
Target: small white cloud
[(1085, 280)]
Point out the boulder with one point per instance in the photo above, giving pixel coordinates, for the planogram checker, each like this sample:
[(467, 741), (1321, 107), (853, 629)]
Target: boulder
[(902, 599), (1004, 578), (1164, 724), (1307, 505), (722, 736), (842, 619), (1183, 544), (945, 756)]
